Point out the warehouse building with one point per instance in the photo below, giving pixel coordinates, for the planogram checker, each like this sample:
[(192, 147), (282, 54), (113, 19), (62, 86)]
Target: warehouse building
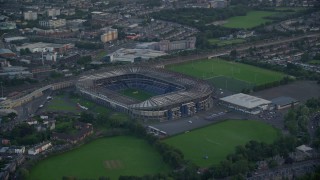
[(245, 103), (284, 102)]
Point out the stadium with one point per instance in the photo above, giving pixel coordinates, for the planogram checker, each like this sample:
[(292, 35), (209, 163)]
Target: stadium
[(169, 96)]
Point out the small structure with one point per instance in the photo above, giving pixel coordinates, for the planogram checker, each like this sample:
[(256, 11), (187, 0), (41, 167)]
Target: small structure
[(304, 148), (284, 102), (245, 103)]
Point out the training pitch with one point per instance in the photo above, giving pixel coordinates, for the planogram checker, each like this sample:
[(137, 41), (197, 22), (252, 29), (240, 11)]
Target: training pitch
[(218, 140), (250, 20), (109, 157), (226, 74)]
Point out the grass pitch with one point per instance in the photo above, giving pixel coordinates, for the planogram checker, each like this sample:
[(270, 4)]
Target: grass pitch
[(219, 140), (137, 94), (215, 69), (109, 157), (250, 20)]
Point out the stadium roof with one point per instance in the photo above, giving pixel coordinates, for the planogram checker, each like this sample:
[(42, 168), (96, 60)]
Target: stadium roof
[(245, 100)]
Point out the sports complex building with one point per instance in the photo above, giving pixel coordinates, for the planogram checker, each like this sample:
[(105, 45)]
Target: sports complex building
[(174, 95), (245, 103)]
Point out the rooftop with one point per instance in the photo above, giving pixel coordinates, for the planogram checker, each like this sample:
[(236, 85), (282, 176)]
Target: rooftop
[(5, 51), (283, 100), (245, 100)]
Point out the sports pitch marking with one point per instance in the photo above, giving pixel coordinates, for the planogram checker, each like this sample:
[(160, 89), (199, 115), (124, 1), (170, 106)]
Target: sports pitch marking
[(113, 164)]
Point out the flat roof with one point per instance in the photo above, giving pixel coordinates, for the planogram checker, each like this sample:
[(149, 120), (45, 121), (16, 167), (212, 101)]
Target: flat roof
[(9, 39), (5, 51), (245, 100), (283, 100)]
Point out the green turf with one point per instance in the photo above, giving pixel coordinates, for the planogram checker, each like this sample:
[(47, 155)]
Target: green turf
[(101, 54), (314, 62), (250, 20), (219, 42), (230, 84), (219, 140), (66, 104), (134, 157), (137, 94), (58, 103), (210, 68)]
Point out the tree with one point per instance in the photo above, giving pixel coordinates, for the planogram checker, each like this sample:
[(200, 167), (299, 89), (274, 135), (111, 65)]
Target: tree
[(233, 54)]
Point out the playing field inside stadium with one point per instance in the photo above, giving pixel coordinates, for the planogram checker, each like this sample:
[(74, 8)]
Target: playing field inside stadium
[(227, 74), (138, 94), (108, 157), (212, 144)]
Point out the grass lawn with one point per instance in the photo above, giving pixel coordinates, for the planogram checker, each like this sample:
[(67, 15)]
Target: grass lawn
[(314, 62), (118, 116), (111, 157), (219, 42), (252, 19), (58, 103), (66, 104), (101, 55), (219, 140), (210, 68), (137, 94)]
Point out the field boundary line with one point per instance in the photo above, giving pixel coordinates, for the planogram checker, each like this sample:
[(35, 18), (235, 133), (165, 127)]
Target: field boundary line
[(213, 77)]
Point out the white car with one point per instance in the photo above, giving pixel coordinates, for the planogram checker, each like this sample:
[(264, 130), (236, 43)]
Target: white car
[(190, 121)]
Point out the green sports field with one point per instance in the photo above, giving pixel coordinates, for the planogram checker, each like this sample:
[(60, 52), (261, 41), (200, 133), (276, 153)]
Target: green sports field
[(137, 94), (226, 74), (250, 20), (219, 140), (111, 157)]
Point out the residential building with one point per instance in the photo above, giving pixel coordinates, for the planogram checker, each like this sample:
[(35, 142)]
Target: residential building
[(30, 16), (8, 25), (166, 45), (109, 35), (53, 12), (218, 3), (39, 148), (84, 130), (53, 23), (6, 53)]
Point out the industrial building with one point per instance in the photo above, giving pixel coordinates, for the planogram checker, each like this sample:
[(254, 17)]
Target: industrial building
[(45, 47), (284, 102), (245, 103), (133, 55)]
